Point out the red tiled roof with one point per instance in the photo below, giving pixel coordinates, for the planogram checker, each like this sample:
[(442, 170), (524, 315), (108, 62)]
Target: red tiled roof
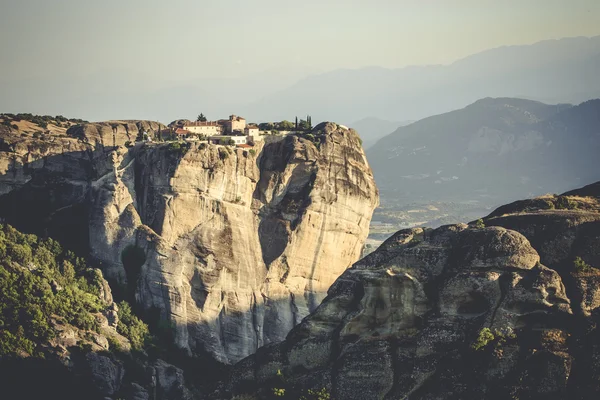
[(180, 131), (244, 146), (207, 123)]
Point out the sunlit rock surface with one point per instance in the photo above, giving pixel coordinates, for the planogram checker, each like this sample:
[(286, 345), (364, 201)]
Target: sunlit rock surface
[(490, 310), (238, 245)]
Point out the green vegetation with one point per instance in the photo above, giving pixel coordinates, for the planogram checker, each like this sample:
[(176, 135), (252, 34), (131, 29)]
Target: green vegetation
[(178, 148), (230, 142), (285, 126), (223, 154), (479, 224), (266, 126), (565, 203), (42, 285), (132, 327), (201, 118), (486, 337), (39, 282), (282, 389), (40, 120), (304, 125), (252, 152), (322, 394), (581, 266)]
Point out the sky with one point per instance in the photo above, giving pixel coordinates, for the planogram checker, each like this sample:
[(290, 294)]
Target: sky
[(181, 40)]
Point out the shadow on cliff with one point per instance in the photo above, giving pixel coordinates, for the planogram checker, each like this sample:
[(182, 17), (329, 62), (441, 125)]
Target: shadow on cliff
[(55, 199), (34, 378)]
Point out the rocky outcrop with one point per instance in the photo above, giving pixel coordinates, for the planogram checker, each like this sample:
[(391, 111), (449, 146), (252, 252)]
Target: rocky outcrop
[(495, 310), (233, 247), (74, 362), (115, 133)]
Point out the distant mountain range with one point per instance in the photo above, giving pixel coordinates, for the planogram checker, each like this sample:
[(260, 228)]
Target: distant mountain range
[(492, 151), (372, 129), (553, 71)]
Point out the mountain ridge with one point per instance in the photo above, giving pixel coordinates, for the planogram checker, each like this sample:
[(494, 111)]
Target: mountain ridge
[(492, 147)]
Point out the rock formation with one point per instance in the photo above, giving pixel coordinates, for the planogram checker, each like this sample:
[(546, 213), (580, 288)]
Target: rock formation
[(502, 308), (234, 247)]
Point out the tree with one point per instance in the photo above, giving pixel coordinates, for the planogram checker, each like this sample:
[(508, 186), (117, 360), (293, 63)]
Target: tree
[(304, 125), (265, 126), (285, 126), (201, 118), (296, 123)]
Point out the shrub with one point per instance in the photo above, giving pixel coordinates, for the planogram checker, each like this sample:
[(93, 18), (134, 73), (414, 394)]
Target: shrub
[(483, 339), (223, 154), (252, 152), (38, 281), (230, 142), (486, 337), (132, 327), (128, 144), (177, 148), (565, 203), (581, 266), (285, 125), (266, 126), (479, 224), (311, 394)]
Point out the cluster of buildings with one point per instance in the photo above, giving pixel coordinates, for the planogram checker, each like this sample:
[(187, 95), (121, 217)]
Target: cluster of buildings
[(223, 131)]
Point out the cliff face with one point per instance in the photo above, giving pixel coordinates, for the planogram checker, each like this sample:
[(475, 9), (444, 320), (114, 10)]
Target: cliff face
[(234, 247), (463, 311)]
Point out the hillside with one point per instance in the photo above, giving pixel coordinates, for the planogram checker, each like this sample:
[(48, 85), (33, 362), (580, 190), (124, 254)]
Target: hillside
[(61, 333), (372, 129), (492, 151), (502, 308)]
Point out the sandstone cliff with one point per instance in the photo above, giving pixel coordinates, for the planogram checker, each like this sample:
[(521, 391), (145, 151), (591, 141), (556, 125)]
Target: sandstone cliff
[(507, 308), (234, 247)]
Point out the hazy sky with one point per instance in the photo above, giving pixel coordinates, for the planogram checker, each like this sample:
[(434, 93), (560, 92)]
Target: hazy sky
[(190, 39)]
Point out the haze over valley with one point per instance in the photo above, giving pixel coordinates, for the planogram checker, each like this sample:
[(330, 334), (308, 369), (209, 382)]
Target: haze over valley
[(209, 200)]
